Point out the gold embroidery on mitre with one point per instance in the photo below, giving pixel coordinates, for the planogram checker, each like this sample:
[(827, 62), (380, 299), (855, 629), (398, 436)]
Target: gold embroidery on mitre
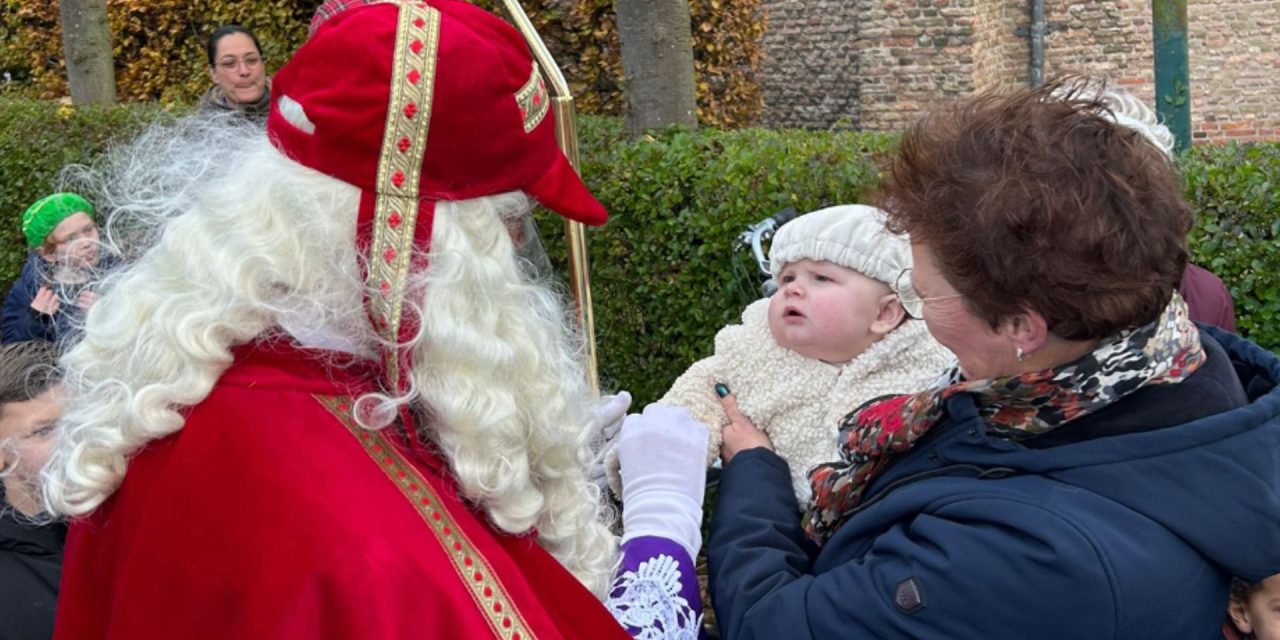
[(471, 567), (404, 143), (533, 100)]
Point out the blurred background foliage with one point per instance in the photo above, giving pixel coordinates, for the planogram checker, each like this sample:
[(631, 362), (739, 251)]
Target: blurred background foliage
[(160, 57)]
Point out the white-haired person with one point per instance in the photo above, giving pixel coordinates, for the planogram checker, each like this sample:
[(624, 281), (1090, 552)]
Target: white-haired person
[(329, 399)]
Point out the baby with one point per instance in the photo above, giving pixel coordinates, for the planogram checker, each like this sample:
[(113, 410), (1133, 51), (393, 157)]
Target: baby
[(831, 338)]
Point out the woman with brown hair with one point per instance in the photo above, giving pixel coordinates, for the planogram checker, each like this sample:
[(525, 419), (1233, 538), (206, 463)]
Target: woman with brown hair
[(1095, 466), (239, 74)]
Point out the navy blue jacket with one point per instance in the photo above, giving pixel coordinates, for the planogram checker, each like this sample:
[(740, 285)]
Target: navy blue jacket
[(20, 322), (1127, 524)]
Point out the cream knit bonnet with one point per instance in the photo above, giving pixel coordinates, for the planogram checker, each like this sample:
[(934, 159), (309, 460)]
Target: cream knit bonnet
[(851, 235)]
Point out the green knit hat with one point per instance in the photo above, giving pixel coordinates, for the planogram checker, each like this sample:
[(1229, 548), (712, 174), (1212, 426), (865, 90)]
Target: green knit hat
[(41, 218)]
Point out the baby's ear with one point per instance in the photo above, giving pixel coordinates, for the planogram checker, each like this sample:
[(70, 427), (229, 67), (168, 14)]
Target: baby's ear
[(889, 314), (1239, 616)]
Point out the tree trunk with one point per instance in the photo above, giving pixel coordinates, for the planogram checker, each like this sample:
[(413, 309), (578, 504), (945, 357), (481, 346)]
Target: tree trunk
[(657, 63), (86, 46)]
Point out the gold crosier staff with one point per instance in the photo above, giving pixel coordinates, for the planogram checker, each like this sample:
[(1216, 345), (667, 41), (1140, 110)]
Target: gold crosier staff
[(567, 139)]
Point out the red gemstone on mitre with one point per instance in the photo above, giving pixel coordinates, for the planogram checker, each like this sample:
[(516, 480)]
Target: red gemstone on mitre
[(410, 110), (389, 255), (403, 145), (385, 288), (416, 45), (414, 76), (419, 22), (488, 592), (537, 99), (394, 219), (397, 178)]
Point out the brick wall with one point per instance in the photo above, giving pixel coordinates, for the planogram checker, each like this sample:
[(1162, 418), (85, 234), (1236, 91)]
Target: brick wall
[(907, 55), (1235, 69), (810, 85), (912, 53)]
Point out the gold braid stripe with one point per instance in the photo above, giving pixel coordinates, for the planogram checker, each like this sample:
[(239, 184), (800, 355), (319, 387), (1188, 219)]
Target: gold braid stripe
[(472, 570), (533, 100), (399, 169)]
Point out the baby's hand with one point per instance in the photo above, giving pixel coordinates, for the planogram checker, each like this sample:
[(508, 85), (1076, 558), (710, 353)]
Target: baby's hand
[(740, 434)]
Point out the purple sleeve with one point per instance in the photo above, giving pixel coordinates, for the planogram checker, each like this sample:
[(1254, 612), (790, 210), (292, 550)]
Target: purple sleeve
[(655, 592)]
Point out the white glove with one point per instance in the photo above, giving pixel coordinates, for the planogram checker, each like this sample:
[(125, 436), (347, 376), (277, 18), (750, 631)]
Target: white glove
[(606, 422), (663, 452), (606, 419)]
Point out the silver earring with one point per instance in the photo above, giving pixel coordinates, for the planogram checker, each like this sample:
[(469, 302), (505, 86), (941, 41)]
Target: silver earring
[(1020, 355)]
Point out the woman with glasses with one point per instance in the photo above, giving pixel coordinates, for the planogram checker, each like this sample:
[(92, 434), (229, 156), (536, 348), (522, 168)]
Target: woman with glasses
[(239, 74), (1095, 466)]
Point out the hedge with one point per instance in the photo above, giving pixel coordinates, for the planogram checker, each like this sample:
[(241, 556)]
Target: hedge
[(1235, 191), (159, 48), (664, 276), (38, 139)]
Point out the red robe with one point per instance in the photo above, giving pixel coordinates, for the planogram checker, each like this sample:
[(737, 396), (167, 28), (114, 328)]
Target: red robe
[(271, 515)]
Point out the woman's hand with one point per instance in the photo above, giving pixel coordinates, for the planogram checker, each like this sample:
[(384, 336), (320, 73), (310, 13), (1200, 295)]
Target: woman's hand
[(741, 433)]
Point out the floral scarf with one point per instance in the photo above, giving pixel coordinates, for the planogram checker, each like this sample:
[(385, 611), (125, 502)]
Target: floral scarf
[(1164, 351)]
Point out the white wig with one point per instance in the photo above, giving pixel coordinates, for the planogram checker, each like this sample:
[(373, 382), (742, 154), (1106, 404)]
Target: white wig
[(232, 242)]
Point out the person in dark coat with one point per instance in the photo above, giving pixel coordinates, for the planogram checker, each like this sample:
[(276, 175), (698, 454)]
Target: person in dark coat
[(1095, 466), (30, 543), (51, 293), (1207, 298)]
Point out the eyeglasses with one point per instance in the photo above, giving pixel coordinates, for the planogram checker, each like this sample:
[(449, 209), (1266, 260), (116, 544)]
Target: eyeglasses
[(911, 301), (230, 64)]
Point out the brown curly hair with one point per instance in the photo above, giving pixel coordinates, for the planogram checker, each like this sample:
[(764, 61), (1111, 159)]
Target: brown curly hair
[(1032, 200)]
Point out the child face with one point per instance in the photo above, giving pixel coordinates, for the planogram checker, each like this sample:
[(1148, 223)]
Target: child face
[(27, 428), (74, 242), (1260, 615), (826, 311)]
